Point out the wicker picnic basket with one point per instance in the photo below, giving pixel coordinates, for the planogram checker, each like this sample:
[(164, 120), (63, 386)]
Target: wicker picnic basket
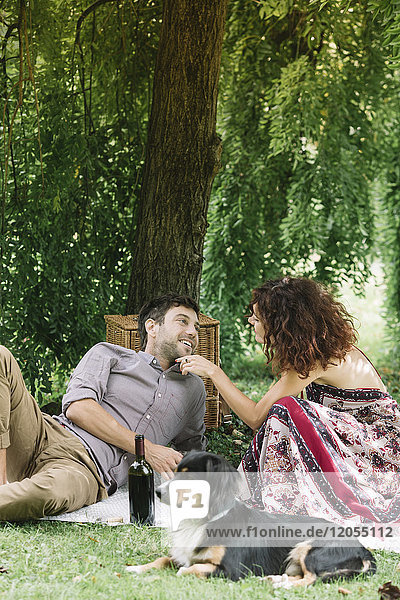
[(122, 330)]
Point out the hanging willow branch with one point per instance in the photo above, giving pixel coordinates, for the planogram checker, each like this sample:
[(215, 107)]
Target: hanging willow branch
[(19, 84), (32, 80), (23, 44), (8, 123), (77, 44), (8, 34), (87, 102), (7, 142), (85, 14)]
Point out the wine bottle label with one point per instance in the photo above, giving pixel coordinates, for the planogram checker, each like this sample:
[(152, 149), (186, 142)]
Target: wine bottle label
[(141, 497)]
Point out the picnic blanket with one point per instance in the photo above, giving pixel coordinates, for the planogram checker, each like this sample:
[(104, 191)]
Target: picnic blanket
[(115, 511), (112, 511)]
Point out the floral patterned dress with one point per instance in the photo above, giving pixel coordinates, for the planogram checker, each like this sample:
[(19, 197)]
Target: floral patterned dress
[(335, 455)]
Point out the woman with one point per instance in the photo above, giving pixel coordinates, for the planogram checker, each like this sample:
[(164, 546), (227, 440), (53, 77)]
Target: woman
[(335, 452)]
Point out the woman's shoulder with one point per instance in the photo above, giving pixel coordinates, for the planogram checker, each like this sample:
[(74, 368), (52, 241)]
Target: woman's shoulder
[(353, 372)]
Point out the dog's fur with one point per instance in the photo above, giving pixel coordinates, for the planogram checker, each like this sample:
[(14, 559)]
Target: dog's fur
[(297, 564)]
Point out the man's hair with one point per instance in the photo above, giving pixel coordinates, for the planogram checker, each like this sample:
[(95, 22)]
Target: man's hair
[(157, 308)]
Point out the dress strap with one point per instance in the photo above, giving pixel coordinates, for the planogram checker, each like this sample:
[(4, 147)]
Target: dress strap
[(370, 362)]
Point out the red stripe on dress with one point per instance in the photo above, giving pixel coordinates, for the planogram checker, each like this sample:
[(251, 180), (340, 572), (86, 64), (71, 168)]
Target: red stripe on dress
[(322, 456)]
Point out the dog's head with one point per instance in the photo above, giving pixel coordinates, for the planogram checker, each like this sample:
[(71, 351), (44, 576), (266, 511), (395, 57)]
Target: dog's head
[(222, 477), (204, 462)]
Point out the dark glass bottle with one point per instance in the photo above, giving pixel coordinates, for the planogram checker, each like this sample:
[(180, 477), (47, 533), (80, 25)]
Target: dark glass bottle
[(141, 487)]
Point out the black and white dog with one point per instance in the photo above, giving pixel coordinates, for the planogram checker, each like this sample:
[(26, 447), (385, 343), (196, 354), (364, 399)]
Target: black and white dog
[(295, 564)]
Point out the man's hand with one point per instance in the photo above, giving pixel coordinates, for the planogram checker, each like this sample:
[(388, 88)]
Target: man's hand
[(162, 459)]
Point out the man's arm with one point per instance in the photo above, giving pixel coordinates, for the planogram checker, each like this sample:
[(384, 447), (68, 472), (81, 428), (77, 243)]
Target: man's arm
[(92, 417), (3, 466)]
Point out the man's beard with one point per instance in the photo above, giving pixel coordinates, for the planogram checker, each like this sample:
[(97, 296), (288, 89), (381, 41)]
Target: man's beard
[(169, 352)]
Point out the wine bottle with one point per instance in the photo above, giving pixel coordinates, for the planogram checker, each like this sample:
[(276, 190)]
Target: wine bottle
[(141, 487)]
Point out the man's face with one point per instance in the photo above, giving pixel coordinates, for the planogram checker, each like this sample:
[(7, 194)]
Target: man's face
[(177, 336)]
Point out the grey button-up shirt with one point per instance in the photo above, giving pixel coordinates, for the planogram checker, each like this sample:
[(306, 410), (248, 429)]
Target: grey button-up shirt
[(164, 406)]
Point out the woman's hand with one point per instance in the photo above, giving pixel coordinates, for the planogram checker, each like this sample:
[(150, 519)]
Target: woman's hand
[(198, 365), (252, 413), (243, 406)]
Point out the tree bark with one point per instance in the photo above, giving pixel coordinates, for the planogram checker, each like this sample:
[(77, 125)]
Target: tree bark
[(182, 155)]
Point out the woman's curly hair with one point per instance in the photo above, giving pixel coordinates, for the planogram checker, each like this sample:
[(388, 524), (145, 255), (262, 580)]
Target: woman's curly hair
[(304, 325)]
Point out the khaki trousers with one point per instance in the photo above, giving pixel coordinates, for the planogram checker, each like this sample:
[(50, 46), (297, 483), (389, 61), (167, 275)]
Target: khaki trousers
[(49, 469)]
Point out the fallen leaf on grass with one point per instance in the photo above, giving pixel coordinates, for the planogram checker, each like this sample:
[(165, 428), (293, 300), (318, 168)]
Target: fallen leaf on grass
[(388, 591), (117, 574), (115, 520), (237, 433), (344, 591), (93, 539)]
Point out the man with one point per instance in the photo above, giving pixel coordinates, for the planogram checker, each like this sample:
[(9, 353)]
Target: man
[(63, 463)]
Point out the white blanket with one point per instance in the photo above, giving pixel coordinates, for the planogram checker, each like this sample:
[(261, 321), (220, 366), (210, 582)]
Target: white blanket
[(115, 511), (111, 511)]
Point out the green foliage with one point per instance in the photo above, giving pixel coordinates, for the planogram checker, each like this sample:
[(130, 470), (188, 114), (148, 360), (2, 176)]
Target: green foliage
[(68, 200), (230, 440), (388, 210), (302, 113), (387, 11), (300, 90), (391, 252)]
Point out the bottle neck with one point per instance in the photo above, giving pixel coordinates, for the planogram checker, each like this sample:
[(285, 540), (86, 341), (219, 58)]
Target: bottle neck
[(139, 446)]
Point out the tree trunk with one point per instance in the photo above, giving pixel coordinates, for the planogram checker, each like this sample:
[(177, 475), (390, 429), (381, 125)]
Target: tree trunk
[(182, 155)]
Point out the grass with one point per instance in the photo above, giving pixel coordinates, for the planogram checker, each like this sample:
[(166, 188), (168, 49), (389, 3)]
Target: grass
[(56, 561)]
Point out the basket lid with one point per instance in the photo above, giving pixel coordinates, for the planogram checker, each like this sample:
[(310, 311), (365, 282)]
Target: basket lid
[(130, 322)]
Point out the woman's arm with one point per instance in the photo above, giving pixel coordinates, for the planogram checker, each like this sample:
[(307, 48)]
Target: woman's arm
[(252, 413)]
